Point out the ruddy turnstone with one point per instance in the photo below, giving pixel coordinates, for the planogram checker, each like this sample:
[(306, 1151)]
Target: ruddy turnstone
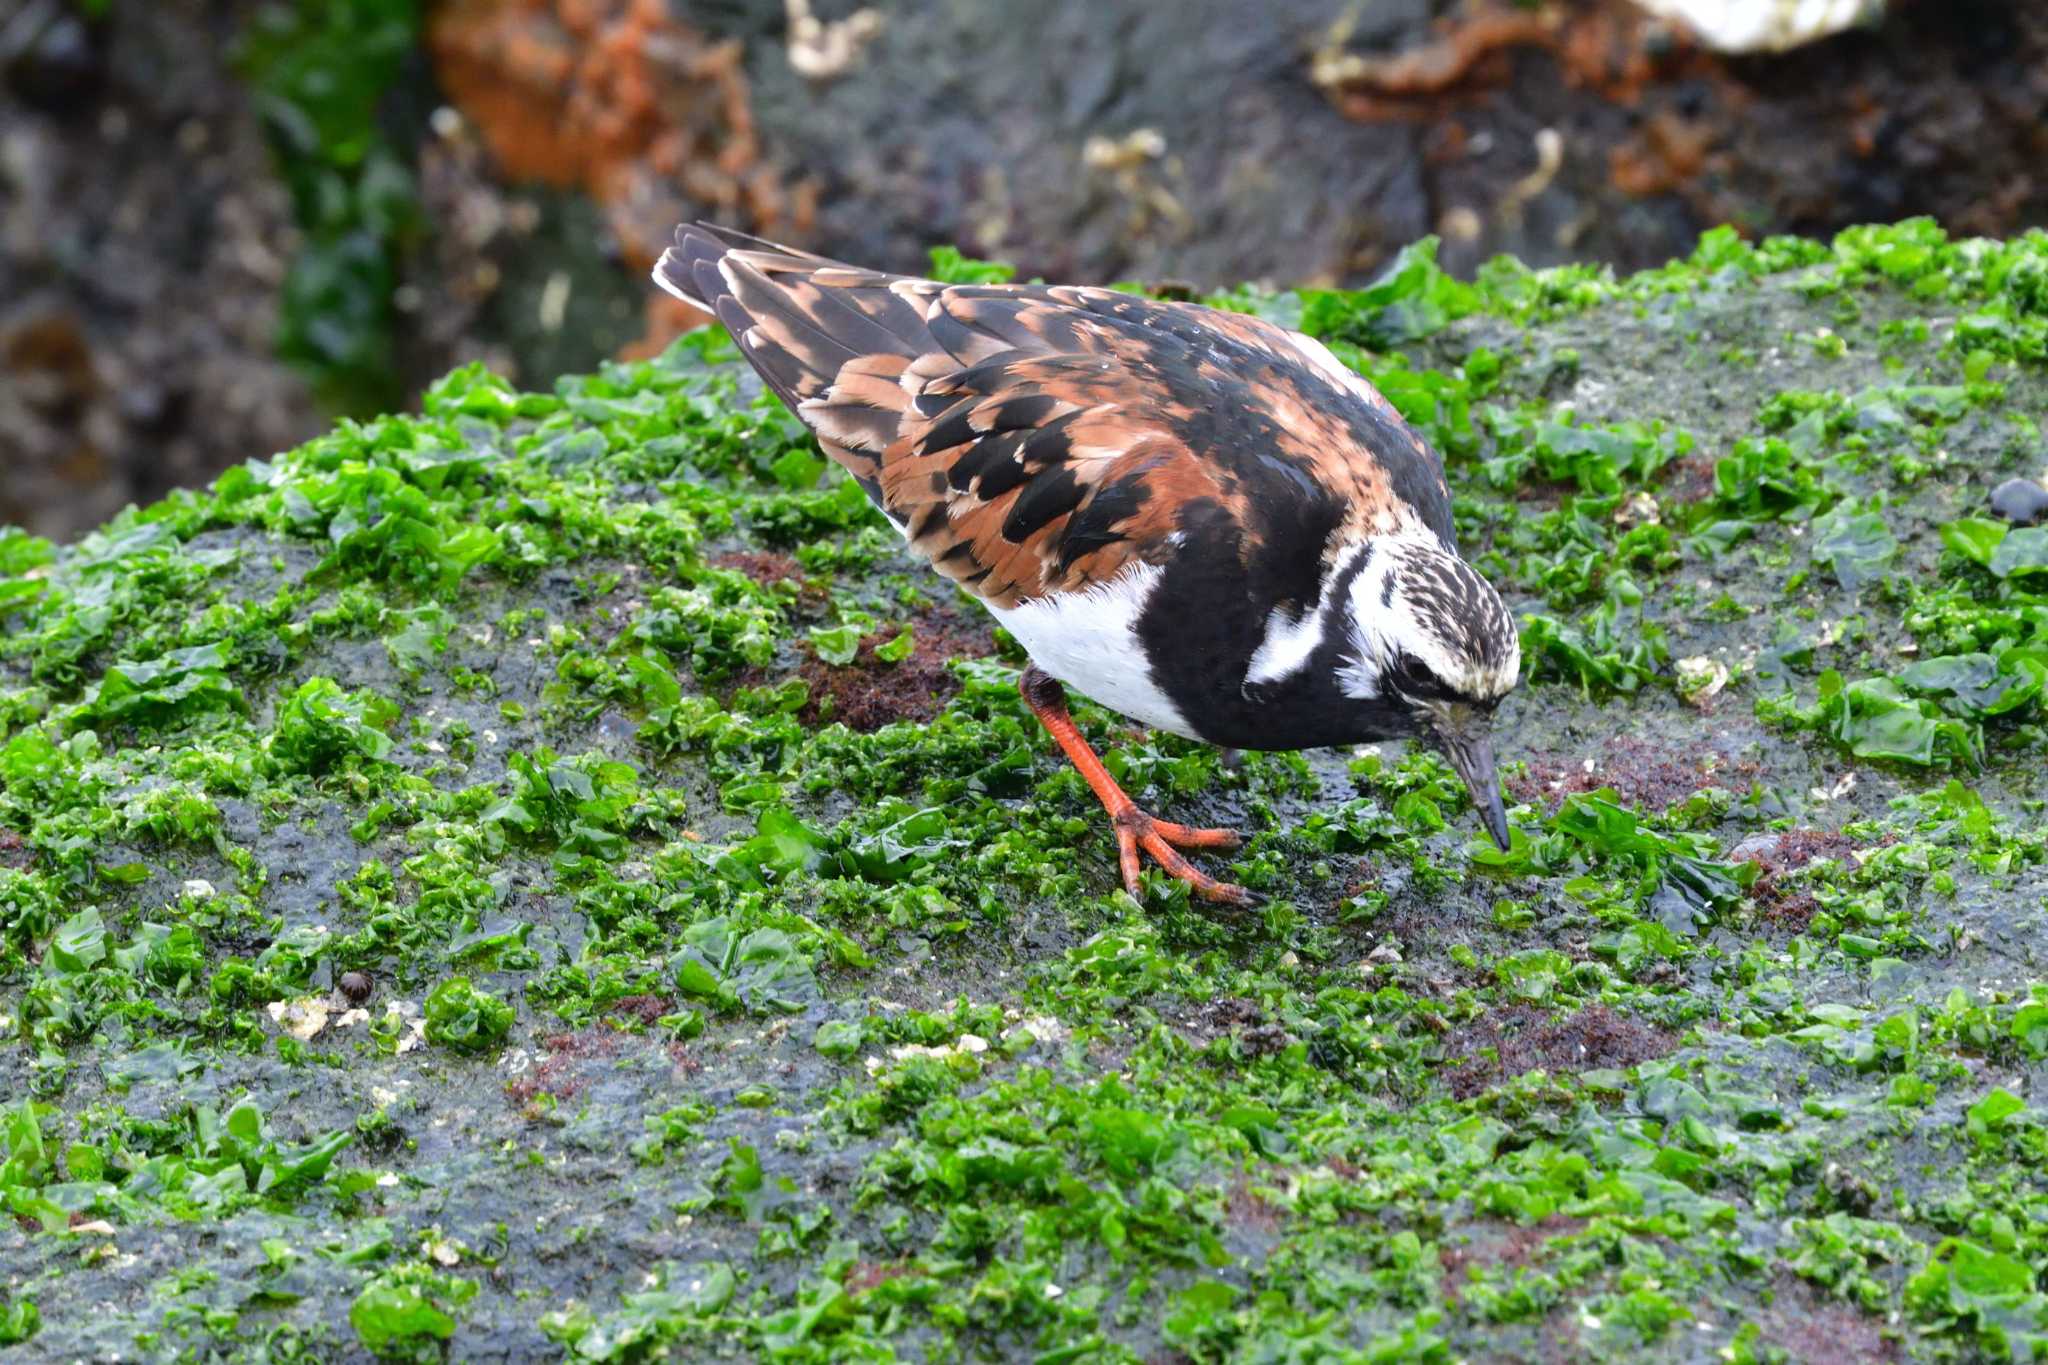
[(1198, 518)]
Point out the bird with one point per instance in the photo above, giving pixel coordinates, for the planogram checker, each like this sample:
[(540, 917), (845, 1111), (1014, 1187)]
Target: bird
[(1199, 519)]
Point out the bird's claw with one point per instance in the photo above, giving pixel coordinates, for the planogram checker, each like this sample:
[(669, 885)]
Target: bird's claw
[(1162, 840)]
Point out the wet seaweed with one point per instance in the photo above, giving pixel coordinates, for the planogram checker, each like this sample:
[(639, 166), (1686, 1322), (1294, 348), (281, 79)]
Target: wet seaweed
[(547, 877)]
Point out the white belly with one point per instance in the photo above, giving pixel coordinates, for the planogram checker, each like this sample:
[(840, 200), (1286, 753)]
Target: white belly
[(1089, 641)]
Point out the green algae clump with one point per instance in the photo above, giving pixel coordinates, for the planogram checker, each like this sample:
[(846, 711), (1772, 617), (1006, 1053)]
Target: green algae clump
[(548, 874)]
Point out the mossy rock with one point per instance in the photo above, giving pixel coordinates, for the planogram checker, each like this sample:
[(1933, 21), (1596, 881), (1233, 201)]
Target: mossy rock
[(444, 908)]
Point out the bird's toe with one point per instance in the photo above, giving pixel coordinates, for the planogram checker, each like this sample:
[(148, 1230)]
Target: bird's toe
[(1195, 836), (1162, 851)]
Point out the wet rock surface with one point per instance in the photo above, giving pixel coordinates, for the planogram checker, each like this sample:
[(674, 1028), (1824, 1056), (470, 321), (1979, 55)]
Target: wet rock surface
[(1297, 141), (2022, 502), (466, 933)]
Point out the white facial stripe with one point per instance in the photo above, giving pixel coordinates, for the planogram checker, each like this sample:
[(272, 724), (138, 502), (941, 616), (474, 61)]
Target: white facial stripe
[(1290, 642), (1367, 660), (1358, 677), (1387, 628), (1089, 640)]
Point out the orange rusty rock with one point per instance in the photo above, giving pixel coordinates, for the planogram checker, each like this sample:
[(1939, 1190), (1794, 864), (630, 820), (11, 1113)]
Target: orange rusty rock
[(1450, 60), (1603, 46), (1866, 117), (1609, 47), (1409, 85), (53, 341), (1668, 153), (619, 100)]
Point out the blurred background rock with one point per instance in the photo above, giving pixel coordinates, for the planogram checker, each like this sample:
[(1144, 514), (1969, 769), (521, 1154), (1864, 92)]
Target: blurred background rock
[(222, 223)]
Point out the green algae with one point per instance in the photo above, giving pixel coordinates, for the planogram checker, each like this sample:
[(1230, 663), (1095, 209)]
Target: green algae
[(435, 918), (318, 74)]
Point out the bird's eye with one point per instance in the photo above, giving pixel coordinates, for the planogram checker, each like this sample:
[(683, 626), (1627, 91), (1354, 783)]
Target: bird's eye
[(1415, 677)]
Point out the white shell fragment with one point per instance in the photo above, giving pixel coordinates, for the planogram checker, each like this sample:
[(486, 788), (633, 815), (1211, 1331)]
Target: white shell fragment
[(1764, 25), (302, 1019), (1700, 679)]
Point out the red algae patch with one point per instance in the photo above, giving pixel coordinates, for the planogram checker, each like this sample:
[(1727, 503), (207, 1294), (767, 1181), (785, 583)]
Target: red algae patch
[(870, 693), (1644, 774), (1509, 1042)]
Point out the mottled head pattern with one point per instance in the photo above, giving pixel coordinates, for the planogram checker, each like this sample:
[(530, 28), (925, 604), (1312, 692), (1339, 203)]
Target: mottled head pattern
[(1426, 628)]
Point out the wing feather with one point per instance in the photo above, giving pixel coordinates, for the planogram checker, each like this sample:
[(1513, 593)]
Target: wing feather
[(1031, 439)]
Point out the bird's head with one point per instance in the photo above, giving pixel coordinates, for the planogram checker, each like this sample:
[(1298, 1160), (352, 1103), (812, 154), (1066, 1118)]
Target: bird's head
[(1432, 650)]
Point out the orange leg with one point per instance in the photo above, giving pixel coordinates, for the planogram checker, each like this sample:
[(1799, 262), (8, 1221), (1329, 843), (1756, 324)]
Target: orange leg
[(1135, 829)]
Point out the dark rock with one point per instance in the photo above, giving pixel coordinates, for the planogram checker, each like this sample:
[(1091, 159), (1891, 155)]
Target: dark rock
[(150, 408), (1756, 848), (50, 56), (2023, 502), (139, 262)]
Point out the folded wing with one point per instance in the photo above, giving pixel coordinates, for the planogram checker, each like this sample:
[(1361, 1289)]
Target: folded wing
[(1031, 439)]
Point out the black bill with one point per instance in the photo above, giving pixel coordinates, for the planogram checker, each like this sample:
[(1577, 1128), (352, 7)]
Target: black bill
[(1473, 757)]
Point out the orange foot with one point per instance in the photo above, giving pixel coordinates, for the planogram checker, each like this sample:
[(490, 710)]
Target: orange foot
[(1135, 830)]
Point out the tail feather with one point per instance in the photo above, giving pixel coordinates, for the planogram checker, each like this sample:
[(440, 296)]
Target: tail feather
[(677, 270), (799, 333), (689, 269), (832, 341)]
